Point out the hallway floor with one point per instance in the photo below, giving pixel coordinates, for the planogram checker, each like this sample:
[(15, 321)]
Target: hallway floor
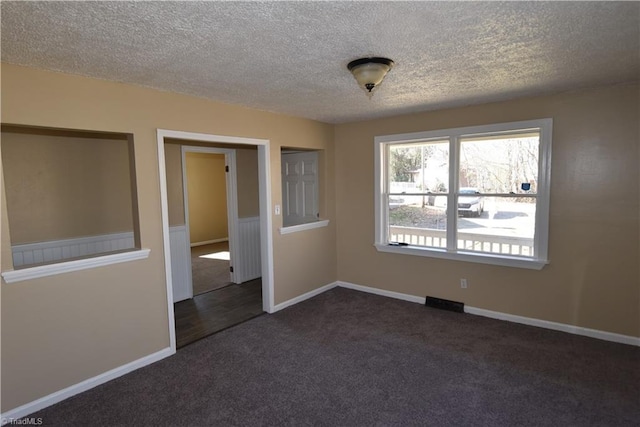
[(216, 310), (210, 267)]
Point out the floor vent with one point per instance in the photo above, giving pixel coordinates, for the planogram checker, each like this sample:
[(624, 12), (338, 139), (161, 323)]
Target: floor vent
[(444, 304)]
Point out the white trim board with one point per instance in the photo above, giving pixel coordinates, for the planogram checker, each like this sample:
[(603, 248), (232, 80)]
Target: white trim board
[(307, 226), (60, 395), (563, 327), (29, 273), (266, 228), (304, 296)]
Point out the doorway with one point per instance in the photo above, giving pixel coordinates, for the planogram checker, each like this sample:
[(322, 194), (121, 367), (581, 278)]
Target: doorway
[(264, 223), (209, 177)]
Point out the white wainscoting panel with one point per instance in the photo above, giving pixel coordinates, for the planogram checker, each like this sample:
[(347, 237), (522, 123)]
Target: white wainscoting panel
[(58, 250), (180, 263), (248, 266)]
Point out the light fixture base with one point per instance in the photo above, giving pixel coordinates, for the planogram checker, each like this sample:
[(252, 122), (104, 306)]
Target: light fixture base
[(369, 72)]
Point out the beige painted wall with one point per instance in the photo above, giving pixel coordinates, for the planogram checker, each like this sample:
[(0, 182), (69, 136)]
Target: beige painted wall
[(247, 179), (62, 187), (207, 190), (248, 188), (175, 190), (94, 320), (592, 280), (91, 321)]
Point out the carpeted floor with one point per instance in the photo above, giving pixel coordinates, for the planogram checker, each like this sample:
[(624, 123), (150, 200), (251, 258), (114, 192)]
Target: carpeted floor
[(209, 274), (346, 358)]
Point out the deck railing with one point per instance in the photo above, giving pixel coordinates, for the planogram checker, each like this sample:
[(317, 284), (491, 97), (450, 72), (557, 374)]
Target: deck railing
[(522, 246)]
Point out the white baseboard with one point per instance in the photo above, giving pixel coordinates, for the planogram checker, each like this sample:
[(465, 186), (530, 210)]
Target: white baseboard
[(36, 405), (303, 297), (208, 242), (563, 327), (382, 292), (58, 396)]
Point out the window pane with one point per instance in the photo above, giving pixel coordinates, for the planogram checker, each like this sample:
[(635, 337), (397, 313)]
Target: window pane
[(418, 224), (419, 168), (501, 225), (500, 164)]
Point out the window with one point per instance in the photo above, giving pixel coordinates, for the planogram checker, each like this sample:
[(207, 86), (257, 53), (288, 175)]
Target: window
[(497, 178), (71, 196)]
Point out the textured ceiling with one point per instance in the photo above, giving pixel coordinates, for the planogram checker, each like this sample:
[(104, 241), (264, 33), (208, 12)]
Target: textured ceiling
[(291, 57)]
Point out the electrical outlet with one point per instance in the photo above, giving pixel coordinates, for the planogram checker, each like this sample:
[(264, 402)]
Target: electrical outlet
[(463, 283)]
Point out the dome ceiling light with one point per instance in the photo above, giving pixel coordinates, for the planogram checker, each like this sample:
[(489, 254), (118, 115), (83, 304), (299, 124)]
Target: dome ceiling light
[(369, 72)]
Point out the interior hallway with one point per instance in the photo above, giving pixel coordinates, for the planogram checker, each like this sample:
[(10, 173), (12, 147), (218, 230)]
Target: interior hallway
[(214, 311), (210, 267), (217, 303)]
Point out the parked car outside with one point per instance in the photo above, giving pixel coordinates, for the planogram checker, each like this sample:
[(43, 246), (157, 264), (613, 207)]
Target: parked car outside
[(470, 203)]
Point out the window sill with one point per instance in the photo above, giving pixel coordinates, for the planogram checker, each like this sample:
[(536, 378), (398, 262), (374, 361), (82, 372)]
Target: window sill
[(482, 258), (75, 265), (302, 227)]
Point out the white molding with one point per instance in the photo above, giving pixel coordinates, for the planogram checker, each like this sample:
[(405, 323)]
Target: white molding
[(304, 297), (302, 227), (85, 385), (166, 240), (75, 265), (206, 137), (264, 173), (209, 242), (381, 209), (563, 327), (382, 292), (266, 226), (90, 383)]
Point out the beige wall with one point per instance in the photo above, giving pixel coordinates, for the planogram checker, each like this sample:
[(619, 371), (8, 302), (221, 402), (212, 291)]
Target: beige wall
[(247, 179), (207, 190), (91, 321), (592, 280), (175, 190), (248, 188), (62, 187)]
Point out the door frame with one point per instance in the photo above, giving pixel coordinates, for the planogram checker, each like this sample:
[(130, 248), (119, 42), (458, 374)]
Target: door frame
[(231, 184), (266, 221)]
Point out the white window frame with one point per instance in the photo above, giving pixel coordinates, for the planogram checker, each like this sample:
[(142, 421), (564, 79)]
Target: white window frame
[(540, 258)]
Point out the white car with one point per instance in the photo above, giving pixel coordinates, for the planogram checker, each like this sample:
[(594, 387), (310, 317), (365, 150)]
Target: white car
[(470, 203)]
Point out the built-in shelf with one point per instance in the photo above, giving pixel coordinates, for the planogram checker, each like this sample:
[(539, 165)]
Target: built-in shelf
[(302, 227), (75, 265)]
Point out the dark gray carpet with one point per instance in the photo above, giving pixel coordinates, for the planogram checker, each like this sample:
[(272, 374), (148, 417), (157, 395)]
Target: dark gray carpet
[(346, 358)]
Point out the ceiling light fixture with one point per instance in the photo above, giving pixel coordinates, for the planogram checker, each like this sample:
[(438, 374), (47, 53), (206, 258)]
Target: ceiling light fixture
[(369, 72)]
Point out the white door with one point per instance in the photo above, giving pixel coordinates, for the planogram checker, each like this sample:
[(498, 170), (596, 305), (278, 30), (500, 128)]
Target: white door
[(299, 188)]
